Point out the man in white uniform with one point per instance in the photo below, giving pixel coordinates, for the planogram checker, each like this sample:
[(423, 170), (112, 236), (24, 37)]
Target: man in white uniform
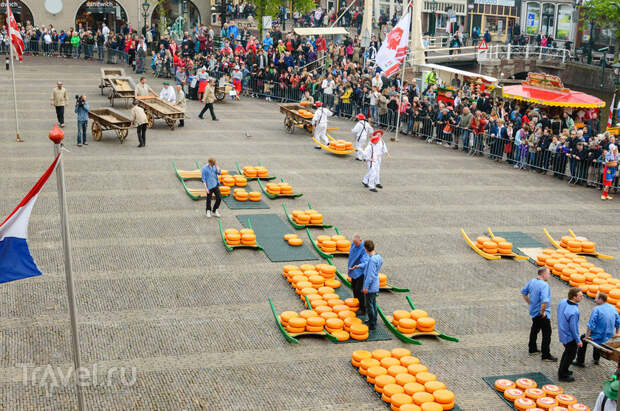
[(608, 398), (373, 153), (167, 94), (319, 121), (361, 130)]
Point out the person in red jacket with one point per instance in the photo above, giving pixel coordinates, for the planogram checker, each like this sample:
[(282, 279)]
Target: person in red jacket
[(478, 123)]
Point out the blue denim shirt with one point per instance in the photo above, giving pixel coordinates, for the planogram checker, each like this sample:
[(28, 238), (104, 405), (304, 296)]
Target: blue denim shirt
[(357, 256), (209, 176), (82, 112), (568, 321)]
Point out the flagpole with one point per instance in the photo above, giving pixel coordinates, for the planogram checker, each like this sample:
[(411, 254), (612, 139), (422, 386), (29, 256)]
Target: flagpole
[(19, 140), (66, 245), (402, 79)]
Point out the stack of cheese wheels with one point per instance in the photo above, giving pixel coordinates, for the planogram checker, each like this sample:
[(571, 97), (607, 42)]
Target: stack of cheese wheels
[(261, 172), (358, 331), (403, 322), (564, 400), (502, 384), (249, 171), (546, 402), (524, 403), (504, 247), (402, 381), (279, 188), (296, 325), (232, 236), (286, 316), (305, 113), (254, 196), (240, 181), (348, 322), (340, 145), (293, 240), (327, 271), (425, 324), (224, 190), (525, 383), (222, 174), (335, 243), (526, 396), (307, 217), (481, 240), (490, 247), (240, 194), (382, 280), (578, 407), (228, 181), (552, 390), (248, 237)]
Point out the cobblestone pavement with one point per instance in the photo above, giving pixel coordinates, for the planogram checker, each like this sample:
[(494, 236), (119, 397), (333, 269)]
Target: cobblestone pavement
[(157, 291)]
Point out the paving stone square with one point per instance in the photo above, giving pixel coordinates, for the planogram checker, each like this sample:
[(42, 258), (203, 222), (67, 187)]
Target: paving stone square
[(157, 291)]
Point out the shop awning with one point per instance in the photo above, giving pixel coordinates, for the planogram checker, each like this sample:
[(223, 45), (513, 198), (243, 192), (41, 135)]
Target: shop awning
[(553, 98), (325, 31), (463, 73)]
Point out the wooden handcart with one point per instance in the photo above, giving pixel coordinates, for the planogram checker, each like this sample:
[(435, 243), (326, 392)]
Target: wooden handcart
[(156, 108), (109, 73), (121, 87), (293, 119), (559, 247), (610, 350), (488, 256), (107, 119)]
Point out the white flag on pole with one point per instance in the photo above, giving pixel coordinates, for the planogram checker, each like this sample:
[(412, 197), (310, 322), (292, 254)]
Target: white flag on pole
[(394, 47)]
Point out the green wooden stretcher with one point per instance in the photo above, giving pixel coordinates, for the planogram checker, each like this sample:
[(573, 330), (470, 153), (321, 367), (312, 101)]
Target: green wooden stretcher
[(299, 226), (233, 247), (272, 196), (240, 171)]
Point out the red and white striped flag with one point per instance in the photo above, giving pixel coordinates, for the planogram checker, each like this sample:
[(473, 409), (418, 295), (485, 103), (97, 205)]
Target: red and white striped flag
[(611, 111), (14, 35)]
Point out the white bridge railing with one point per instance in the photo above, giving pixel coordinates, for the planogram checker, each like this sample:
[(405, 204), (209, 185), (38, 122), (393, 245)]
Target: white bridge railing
[(509, 51)]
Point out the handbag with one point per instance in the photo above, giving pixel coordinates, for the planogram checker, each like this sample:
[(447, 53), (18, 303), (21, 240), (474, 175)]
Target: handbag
[(447, 129)]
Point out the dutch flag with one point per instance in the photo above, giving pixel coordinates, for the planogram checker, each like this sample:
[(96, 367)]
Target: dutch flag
[(15, 259)]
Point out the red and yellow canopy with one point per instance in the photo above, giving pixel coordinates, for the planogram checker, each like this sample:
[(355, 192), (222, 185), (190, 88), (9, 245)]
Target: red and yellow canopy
[(554, 98)]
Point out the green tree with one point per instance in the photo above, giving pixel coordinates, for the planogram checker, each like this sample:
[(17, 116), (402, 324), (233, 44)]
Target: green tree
[(604, 13), (272, 8)]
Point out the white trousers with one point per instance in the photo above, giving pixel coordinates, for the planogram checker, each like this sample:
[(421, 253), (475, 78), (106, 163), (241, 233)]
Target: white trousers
[(372, 176), (359, 148), (320, 133)]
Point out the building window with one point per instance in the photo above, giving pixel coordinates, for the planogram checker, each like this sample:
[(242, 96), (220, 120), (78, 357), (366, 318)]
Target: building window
[(565, 22), (532, 21), (495, 25), (548, 19)]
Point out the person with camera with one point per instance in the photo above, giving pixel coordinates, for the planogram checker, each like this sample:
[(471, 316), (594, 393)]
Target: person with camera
[(81, 108)]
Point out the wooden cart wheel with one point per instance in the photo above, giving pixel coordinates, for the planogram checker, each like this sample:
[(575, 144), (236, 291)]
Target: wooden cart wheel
[(150, 120), (96, 130), (170, 122), (220, 95), (288, 125), (122, 134)]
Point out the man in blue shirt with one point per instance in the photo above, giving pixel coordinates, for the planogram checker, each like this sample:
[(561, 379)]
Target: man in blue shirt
[(357, 257), (538, 296), (604, 323), (209, 179), (82, 108), (371, 268), (568, 330)]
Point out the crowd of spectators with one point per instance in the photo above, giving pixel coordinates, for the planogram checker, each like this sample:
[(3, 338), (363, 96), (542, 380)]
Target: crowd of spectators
[(285, 67)]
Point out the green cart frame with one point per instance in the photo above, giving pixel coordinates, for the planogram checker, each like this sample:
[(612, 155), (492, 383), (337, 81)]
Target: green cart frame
[(298, 226), (272, 196), (240, 171), (410, 338), (234, 247), (327, 256)]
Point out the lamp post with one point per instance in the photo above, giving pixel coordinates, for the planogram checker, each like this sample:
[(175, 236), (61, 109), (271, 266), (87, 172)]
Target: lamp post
[(434, 14), (616, 68), (145, 11)]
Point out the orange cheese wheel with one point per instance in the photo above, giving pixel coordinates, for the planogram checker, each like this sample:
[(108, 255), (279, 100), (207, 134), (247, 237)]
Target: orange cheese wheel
[(426, 323), (379, 354), (524, 403), (420, 398), (289, 236), (552, 390), (407, 323), (408, 360), (401, 314), (512, 394), (329, 314), (376, 371), (360, 355), (415, 369), (394, 370), (315, 321), (340, 335), (307, 314), (312, 329), (424, 377), (431, 406), (367, 363), (404, 378), (417, 314), (348, 322), (295, 330), (344, 314), (336, 324), (361, 329), (433, 386), (383, 380), (578, 407), (387, 362), (359, 337), (565, 399), (392, 389), (503, 384), (546, 402), (443, 396), (254, 196), (295, 242), (319, 308), (525, 383), (287, 315), (413, 387), (332, 283), (297, 322), (534, 393), (400, 352)]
